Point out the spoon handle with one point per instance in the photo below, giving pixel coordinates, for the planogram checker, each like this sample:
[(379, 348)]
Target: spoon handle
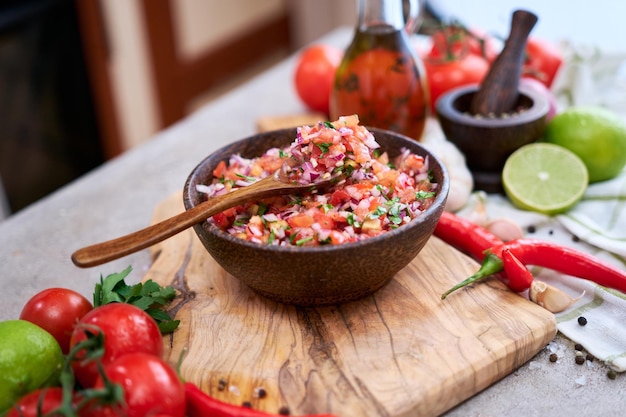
[(110, 250)]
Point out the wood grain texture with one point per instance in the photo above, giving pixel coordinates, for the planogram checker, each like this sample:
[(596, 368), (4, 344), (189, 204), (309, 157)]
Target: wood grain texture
[(400, 352)]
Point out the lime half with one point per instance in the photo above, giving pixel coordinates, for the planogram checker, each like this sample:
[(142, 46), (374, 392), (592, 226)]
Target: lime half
[(545, 178)]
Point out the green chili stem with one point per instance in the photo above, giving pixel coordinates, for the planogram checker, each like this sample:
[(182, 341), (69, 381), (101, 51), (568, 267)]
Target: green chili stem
[(492, 264)]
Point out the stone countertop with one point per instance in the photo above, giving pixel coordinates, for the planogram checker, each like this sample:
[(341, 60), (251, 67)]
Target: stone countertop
[(118, 198)]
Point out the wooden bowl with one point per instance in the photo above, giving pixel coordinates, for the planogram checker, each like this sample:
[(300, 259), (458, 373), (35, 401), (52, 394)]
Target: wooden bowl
[(321, 275), (487, 142)]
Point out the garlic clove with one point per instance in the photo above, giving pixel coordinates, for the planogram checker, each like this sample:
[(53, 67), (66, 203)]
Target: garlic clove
[(505, 229), (550, 298), (478, 214)]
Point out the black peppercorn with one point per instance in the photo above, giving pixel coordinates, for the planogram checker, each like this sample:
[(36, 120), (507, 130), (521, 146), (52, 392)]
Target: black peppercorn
[(246, 404), (554, 357), (284, 411), (611, 374), (578, 347), (221, 384), (582, 321), (580, 360), (589, 357), (531, 229)]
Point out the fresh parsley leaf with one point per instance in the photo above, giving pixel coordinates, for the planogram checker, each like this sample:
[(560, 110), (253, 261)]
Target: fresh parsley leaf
[(380, 210), (327, 207), (329, 125), (421, 195), (168, 326), (241, 221), (395, 219), (106, 292), (324, 146), (348, 169), (148, 296), (246, 177), (326, 241), (262, 209), (304, 240), (352, 220)]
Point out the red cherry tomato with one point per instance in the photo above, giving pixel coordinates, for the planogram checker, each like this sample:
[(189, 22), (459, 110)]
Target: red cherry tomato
[(151, 387), (482, 44), (315, 74), (126, 328), (453, 42), (448, 43), (444, 75), (543, 60), (57, 310), (37, 403)]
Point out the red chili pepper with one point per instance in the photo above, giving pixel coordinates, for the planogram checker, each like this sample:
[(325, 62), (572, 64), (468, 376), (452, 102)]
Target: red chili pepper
[(465, 235), (472, 239), (549, 255), (567, 261), (519, 278), (492, 264), (200, 404)]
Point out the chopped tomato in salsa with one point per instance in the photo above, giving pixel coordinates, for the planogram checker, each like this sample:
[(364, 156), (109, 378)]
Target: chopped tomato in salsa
[(376, 196)]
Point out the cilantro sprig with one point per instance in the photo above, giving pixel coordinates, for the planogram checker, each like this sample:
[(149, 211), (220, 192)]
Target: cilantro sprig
[(148, 296)]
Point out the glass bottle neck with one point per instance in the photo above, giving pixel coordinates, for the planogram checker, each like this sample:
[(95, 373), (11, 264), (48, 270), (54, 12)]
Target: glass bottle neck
[(379, 13)]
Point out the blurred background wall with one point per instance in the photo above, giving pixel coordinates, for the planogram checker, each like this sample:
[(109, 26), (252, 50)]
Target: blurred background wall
[(82, 81)]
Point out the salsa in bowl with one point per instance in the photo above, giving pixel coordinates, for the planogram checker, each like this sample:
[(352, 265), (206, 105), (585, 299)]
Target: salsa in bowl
[(331, 246)]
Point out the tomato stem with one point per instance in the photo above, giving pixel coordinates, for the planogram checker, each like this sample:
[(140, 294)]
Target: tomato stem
[(92, 348)]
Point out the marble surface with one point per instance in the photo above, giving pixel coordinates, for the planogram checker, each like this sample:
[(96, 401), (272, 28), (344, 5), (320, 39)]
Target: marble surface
[(118, 197)]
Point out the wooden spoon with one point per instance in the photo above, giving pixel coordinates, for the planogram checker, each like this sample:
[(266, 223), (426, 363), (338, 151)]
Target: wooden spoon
[(498, 93), (272, 185)]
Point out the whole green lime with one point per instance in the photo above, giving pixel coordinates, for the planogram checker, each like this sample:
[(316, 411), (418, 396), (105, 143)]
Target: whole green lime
[(597, 135), (30, 358)]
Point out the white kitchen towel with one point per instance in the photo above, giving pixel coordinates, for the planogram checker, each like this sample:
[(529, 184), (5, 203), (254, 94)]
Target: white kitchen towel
[(590, 76), (600, 217)]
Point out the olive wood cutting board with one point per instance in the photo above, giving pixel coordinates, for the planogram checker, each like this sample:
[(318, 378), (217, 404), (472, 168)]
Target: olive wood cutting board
[(400, 352)]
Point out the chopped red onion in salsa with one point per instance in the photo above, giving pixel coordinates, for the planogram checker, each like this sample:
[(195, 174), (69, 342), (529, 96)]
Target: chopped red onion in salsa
[(376, 196)]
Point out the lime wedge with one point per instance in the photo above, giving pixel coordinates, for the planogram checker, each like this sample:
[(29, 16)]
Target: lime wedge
[(545, 178)]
